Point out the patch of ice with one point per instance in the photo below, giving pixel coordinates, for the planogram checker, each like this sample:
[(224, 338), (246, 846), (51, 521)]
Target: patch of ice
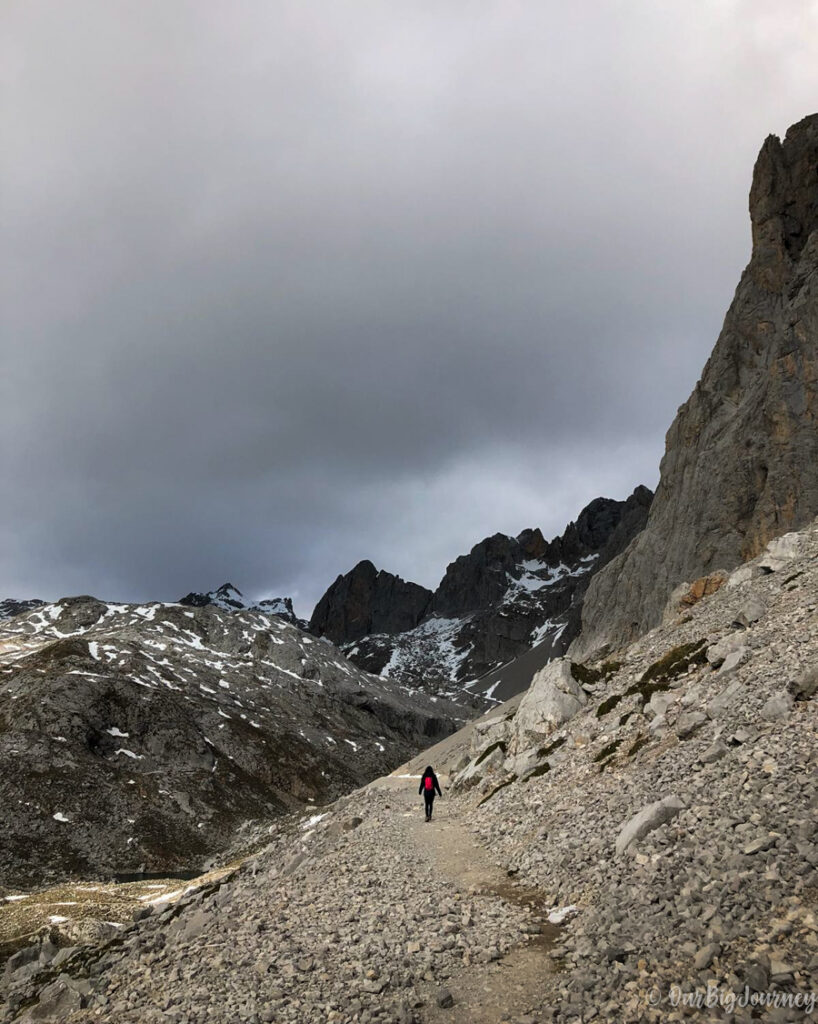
[(310, 822), (128, 753), (113, 731), (59, 816)]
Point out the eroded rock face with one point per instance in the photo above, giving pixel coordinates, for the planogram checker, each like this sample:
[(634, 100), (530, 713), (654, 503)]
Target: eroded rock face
[(741, 458), (366, 601)]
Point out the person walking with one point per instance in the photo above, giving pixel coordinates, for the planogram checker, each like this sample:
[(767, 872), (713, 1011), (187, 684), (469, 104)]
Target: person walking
[(428, 787)]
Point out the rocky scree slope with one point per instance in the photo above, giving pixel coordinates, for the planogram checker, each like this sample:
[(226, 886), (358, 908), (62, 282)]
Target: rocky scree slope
[(663, 806), (672, 797), (142, 737), (741, 458), (507, 595)]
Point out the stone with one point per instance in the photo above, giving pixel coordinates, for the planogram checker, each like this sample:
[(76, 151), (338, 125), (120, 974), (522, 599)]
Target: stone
[(705, 956), (649, 818), (725, 699), (750, 612), (777, 707), (444, 999), (805, 685), (717, 652), (59, 999), (553, 698), (780, 552), (688, 723), (734, 660), (715, 752)]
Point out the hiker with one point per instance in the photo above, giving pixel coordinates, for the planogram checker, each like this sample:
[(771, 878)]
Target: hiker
[(428, 785)]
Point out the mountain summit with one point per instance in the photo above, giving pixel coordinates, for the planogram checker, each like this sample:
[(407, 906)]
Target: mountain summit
[(741, 457)]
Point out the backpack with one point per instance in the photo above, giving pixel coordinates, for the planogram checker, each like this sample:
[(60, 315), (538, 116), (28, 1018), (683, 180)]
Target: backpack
[(428, 783)]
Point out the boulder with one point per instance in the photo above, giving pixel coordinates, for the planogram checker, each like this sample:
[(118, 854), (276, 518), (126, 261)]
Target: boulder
[(751, 611), (722, 701), (649, 818), (780, 552), (744, 574), (805, 685), (777, 707), (717, 652), (553, 698)]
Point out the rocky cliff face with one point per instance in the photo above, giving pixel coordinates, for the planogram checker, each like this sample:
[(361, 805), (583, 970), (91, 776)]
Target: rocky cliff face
[(368, 601), (142, 737), (741, 458), (494, 604)]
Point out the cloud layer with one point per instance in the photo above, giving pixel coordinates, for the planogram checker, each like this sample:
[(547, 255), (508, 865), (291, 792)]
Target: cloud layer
[(287, 284)]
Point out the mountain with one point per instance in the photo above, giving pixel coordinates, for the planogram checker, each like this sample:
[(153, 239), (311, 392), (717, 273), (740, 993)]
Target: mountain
[(617, 838), (741, 457), (142, 737), (367, 601), (231, 599), (10, 607), (507, 595)]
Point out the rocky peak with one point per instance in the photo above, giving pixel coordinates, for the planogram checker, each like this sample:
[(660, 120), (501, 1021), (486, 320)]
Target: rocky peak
[(11, 607), (783, 204), (366, 600), (479, 578), (741, 457), (231, 599)]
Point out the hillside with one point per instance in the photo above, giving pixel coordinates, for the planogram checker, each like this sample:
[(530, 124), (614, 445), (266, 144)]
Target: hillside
[(140, 738), (656, 830)]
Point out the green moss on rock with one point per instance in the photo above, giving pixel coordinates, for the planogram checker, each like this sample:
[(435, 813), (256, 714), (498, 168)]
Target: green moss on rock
[(607, 750)]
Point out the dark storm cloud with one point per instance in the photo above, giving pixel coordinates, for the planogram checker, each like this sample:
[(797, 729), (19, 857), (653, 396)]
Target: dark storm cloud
[(287, 285)]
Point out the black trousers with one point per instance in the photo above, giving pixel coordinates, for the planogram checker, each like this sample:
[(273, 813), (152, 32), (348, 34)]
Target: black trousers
[(429, 798)]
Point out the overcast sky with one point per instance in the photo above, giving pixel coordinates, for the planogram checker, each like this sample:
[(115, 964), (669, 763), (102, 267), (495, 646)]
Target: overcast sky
[(290, 284)]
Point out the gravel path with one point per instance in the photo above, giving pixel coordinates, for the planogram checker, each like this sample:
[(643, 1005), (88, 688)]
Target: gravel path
[(370, 915)]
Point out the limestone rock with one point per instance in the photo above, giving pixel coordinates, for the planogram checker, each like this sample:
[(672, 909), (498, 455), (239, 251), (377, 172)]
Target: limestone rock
[(365, 601), (553, 698), (741, 458), (648, 819)]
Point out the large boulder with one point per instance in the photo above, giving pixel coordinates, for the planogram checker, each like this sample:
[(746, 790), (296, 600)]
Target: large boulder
[(553, 698)]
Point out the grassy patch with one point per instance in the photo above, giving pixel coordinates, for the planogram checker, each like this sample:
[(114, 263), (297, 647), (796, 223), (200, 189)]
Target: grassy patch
[(541, 769), (551, 747), (607, 750), (637, 746), (587, 676), (676, 662), (499, 745), (608, 704), (497, 790)]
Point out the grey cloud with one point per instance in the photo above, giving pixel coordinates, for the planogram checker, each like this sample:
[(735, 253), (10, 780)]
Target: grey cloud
[(287, 285)]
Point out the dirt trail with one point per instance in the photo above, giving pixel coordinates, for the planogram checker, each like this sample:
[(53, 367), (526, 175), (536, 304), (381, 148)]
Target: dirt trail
[(508, 989)]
